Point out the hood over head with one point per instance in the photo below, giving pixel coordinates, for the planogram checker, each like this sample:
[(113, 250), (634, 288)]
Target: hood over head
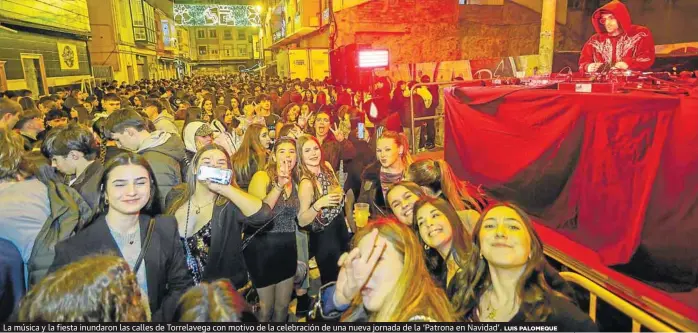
[(618, 10), (165, 143)]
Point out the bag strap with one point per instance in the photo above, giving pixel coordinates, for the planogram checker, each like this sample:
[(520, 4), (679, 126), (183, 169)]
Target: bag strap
[(146, 244)]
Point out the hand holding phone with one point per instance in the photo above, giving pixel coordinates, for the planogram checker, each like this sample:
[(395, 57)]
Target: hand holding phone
[(214, 175)]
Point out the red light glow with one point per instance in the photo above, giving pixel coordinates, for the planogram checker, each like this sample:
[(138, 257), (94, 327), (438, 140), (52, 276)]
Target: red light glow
[(373, 58)]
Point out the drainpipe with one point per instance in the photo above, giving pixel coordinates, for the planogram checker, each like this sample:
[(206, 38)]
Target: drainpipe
[(546, 49)]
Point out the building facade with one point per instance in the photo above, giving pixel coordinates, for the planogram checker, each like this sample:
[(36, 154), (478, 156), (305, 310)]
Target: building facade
[(43, 45), (295, 38), (133, 39), (224, 49), (222, 38)]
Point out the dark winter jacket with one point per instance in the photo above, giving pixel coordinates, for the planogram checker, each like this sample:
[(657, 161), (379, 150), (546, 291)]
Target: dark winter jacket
[(165, 154)]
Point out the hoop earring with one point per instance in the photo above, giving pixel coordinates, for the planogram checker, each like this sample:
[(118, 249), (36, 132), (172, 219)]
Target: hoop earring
[(426, 247), (106, 201)]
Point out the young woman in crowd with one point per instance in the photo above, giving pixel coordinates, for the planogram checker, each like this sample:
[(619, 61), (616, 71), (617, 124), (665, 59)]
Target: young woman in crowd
[(222, 119), (196, 135), (288, 116), (193, 114), (321, 197), (207, 107), (393, 154), (378, 278), (401, 199), (506, 276), (225, 131), (215, 302), (123, 226), (437, 180), (249, 115), (235, 106), (209, 218), (271, 255), (252, 154), (94, 289), (447, 244)]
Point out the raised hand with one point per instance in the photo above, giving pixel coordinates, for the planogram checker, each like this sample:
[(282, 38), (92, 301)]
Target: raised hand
[(339, 135), (357, 267), (303, 118), (284, 176)]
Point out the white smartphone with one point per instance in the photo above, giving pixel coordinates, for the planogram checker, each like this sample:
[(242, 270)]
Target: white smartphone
[(215, 175), (361, 129)]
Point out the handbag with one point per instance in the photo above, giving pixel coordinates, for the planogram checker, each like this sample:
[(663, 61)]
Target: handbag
[(144, 247)]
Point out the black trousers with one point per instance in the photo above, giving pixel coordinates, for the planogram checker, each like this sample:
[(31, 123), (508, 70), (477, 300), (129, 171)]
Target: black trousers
[(327, 246)]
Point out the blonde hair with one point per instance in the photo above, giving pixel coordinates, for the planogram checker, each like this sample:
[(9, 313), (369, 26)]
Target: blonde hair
[(11, 151), (401, 141), (94, 289), (404, 301)]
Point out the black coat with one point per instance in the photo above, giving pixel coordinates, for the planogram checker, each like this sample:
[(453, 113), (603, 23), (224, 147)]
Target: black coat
[(225, 260), (87, 184), (165, 263)]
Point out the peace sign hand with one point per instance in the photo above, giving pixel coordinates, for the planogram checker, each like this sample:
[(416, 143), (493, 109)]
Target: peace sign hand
[(356, 268), (303, 118), (339, 135)]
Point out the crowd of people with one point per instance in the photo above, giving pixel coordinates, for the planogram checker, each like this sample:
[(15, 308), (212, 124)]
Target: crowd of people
[(168, 200)]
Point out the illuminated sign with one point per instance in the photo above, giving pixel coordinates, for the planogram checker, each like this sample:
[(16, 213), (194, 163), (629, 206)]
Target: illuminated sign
[(373, 58), (216, 15)]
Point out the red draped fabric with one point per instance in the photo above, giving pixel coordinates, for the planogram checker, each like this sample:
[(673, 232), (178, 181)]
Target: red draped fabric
[(613, 172)]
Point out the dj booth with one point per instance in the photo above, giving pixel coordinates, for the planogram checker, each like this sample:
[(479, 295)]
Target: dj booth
[(616, 172)]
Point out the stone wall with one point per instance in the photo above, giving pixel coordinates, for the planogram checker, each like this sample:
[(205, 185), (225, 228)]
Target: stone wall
[(438, 30)]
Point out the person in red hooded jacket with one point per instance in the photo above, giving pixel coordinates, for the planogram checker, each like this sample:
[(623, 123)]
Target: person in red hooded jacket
[(617, 43)]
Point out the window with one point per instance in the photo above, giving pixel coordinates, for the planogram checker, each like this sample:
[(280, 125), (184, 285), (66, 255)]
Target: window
[(242, 50), (149, 21), (212, 33), (227, 34), (166, 37), (201, 33), (228, 51), (203, 50), (137, 13), (213, 50), (241, 34)]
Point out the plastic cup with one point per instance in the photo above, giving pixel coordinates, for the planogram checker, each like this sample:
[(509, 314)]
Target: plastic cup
[(361, 214)]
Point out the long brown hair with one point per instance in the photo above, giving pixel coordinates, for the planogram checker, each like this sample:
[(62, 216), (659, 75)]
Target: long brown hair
[(94, 289), (532, 288), (404, 302), (461, 244), (438, 176), (303, 171), (273, 163), (251, 156), (187, 188)]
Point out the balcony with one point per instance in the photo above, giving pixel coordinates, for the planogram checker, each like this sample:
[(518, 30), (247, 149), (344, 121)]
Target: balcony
[(298, 23)]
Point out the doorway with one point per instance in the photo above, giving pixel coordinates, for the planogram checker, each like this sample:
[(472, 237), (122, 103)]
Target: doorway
[(34, 73)]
